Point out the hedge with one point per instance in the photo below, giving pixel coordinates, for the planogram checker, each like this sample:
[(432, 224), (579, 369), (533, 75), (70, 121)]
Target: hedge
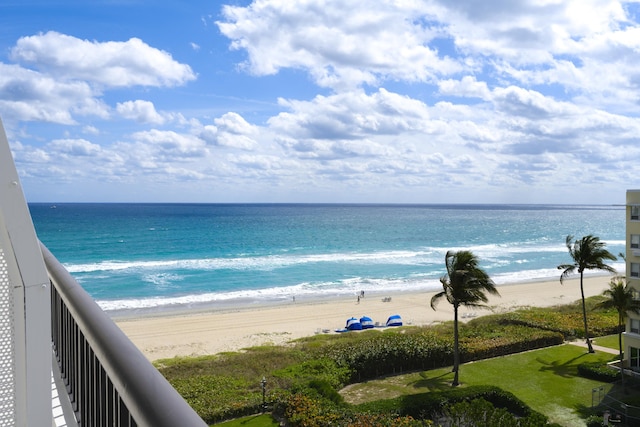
[(599, 372)]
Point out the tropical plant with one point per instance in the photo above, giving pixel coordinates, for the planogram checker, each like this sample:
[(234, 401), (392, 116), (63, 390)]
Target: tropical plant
[(620, 296), (464, 284), (587, 253)]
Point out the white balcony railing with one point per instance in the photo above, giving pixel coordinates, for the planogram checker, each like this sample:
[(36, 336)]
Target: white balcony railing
[(53, 336)]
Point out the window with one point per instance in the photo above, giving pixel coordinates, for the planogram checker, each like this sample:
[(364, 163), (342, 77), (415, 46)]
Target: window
[(635, 270), (635, 326), (635, 212), (634, 360), (635, 241)]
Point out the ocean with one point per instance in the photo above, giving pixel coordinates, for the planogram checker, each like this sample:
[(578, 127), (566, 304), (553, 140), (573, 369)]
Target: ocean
[(151, 257)]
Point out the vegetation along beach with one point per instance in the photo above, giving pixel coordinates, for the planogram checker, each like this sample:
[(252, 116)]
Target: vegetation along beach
[(198, 281)]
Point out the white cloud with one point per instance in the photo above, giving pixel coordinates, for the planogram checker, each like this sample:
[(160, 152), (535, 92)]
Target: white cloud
[(234, 123), (467, 87), (75, 147), (140, 111), (29, 95), (587, 46), (340, 44), (91, 130), (231, 130), (112, 64), (516, 101), (350, 115), (170, 145)]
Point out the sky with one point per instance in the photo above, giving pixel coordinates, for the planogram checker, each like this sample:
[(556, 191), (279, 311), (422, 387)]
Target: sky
[(333, 101)]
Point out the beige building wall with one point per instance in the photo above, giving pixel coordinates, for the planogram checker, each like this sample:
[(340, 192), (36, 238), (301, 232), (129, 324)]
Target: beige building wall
[(632, 334)]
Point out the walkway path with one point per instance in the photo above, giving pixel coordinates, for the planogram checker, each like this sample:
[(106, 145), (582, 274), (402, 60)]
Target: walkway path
[(582, 343)]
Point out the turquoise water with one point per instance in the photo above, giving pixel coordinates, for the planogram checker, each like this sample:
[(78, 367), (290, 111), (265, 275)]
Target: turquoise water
[(157, 256)]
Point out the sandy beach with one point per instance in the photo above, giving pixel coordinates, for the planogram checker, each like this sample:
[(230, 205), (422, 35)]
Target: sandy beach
[(213, 331)]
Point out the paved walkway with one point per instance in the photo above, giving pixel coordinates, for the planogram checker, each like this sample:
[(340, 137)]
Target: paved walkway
[(582, 343)]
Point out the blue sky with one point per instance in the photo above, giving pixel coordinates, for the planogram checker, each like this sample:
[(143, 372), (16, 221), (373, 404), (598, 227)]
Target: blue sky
[(411, 101)]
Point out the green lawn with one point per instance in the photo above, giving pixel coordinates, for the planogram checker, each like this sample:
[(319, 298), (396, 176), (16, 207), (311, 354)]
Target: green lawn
[(264, 420), (610, 341), (547, 380)]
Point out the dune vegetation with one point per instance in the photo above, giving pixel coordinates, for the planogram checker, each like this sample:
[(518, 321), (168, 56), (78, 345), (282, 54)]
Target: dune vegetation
[(402, 376)]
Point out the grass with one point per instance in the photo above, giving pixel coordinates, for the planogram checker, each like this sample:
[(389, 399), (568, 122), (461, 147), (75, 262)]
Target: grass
[(264, 420), (547, 380), (609, 341)]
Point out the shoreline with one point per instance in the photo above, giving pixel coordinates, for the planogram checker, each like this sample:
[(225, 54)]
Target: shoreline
[(252, 303), (198, 331)]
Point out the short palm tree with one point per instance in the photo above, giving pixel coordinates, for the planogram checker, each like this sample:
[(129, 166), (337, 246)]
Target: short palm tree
[(588, 253), (621, 297), (465, 284)]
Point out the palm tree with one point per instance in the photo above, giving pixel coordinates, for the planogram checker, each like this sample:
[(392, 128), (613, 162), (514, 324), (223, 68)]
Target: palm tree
[(464, 284), (620, 296), (588, 253)]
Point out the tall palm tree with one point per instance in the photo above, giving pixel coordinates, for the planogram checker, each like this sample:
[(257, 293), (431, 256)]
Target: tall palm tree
[(464, 284), (620, 296), (588, 253)]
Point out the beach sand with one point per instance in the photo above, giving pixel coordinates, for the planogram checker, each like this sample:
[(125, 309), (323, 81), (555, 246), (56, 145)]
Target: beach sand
[(231, 329)]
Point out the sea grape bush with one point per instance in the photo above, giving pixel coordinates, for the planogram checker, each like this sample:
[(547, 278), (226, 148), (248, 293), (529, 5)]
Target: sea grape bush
[(569, 324), (316, 369), (479, 412), (303, 410), (445, 407), (507, 339), (392, 353), (208, 396)]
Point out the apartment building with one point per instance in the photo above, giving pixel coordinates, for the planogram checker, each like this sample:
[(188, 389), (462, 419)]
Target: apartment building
[(632, 334)]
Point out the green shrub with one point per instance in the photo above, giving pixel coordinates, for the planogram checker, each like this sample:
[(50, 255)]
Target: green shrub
[(325, 390), (305, 410), (567, 320), (499, 340), (428, 405), (595, 421), (216, 398), (392, 353), (478, 412), (228, 385), (598, 372), (321, 368), (426, 348)]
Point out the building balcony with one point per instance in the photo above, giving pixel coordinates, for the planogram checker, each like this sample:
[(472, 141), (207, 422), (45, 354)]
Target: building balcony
[(63, 361)]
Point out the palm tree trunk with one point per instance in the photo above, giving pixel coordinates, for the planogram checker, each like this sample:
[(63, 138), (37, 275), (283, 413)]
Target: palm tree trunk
[(456, 348), (620, 320), (584, 316)]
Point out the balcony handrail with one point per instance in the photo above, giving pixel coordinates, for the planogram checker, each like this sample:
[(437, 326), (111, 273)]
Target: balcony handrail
[(147, 395)]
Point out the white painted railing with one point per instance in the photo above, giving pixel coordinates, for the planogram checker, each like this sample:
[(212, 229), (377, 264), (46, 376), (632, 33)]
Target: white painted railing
[(55, 340), (25, 335)]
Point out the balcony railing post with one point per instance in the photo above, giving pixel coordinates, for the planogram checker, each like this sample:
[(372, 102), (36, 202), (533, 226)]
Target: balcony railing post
[(26, 285), (143, 395)]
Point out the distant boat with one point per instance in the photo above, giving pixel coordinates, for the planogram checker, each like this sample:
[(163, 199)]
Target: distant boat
[(54, 207)]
